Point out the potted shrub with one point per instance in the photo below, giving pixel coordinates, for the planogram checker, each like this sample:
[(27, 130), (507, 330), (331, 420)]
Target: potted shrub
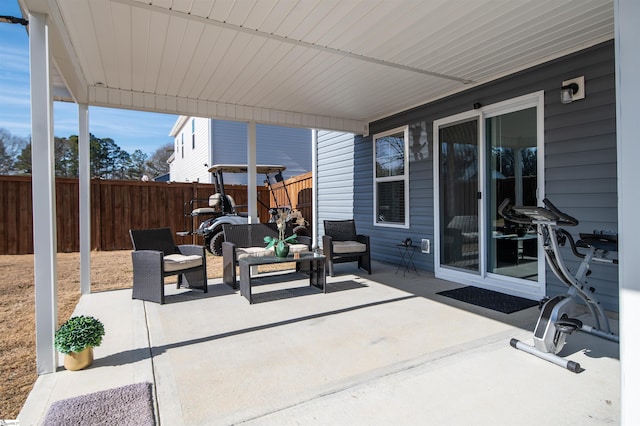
[(280, 244), (76, 339)]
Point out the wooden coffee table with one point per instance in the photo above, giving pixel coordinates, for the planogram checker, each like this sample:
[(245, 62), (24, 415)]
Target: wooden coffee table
[(311, 263)]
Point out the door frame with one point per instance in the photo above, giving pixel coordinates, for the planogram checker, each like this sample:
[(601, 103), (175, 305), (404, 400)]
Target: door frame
[(518, 287)]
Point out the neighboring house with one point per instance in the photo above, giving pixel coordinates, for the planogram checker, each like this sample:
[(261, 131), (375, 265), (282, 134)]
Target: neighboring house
[(443, 168), (202, 142), (163, 178)]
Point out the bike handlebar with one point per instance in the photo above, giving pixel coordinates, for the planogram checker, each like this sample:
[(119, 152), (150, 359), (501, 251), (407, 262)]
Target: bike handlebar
[(511, 215), (563, 218), (527, 215)]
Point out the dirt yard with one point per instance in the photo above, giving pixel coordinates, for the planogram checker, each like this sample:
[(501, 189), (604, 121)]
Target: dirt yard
[(109, 271)]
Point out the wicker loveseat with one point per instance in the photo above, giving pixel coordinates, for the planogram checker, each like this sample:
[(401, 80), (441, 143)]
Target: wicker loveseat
[(156, 256), (248, 240), (341, 243)]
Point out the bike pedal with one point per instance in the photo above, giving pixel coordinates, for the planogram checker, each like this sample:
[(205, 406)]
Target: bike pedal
[(568, 325)]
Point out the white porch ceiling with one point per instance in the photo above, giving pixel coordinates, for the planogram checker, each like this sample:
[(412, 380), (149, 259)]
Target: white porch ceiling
[(330, 64)]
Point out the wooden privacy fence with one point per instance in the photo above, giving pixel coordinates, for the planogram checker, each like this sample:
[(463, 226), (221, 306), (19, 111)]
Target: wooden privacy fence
[(300, 193), (116, 207)]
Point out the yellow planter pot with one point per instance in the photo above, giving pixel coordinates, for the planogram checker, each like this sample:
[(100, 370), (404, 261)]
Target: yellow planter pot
[(77, 361)]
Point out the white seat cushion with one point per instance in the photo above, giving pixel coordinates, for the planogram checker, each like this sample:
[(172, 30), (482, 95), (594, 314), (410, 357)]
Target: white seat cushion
[(341, 247), (298, 248), (203, 210), (241, 253), (177, 262)]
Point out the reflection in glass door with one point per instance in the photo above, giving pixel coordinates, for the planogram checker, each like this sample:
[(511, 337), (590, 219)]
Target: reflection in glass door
[(458, 168), (512, 164)]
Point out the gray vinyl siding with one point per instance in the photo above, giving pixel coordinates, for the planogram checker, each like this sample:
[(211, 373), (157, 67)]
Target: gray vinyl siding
[(335, 177), (383, 240), (290, 147), (229, 145), (579, 148)]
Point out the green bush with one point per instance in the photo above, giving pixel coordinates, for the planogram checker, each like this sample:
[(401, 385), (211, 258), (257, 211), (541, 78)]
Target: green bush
[(79, 333)]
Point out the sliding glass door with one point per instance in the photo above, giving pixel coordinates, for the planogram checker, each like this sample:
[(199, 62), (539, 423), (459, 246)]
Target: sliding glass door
[(458, 144), (512, 162), (483, 157)]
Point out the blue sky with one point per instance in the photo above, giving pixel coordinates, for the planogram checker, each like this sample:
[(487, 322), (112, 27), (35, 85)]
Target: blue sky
[(130, 130)]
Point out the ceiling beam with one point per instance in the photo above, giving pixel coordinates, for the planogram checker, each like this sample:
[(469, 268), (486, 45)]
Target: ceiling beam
[(117, 98)]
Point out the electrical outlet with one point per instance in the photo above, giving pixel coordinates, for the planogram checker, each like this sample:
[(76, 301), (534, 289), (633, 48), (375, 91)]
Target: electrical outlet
[(425, 246)]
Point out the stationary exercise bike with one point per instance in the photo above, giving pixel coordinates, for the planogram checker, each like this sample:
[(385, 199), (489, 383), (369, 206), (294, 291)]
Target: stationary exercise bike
[(556, 320)]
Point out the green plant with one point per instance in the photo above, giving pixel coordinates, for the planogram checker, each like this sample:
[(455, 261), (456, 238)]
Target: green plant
[(281, 222), (272, 241), (79, 333)]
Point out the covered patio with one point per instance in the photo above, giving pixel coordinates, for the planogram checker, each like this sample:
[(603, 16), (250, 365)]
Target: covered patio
[(370, 351), (336, 66)]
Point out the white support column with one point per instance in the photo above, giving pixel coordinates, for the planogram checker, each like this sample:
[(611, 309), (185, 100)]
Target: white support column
[(627, 34), (85, 198), (314, 189), (252, 190), (44, 195)]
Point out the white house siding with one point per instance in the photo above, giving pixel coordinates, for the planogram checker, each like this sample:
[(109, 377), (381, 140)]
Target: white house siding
[(336, 173), (580, 158), (290, 147), (190, 159)]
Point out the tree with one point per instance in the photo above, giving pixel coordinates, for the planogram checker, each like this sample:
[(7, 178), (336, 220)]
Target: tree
[(23, 161), (66, 155), (138, 165), (121, 164), (10, 148), (99, 157), (157, 164), (6, 162), (107, 159)]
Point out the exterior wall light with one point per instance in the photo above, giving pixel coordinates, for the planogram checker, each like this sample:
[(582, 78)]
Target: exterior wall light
[(567, 92), (572, 90)]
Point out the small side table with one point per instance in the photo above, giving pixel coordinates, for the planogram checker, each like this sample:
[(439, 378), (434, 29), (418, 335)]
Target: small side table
[(406, 258)]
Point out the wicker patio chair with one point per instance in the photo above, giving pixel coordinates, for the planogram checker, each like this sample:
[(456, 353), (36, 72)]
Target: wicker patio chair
[(341, 243), (156, 256)]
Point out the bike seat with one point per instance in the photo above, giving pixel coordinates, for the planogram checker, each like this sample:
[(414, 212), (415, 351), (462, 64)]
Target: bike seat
[(601, 240)]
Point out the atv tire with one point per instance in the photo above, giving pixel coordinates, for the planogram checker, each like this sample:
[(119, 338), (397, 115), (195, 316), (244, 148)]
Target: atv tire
[(215, 243)]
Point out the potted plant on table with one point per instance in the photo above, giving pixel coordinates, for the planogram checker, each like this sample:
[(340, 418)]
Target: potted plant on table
[(280, 244), (76, 338)]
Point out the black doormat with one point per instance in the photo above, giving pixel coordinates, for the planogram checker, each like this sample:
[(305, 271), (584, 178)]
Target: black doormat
[(489, 299)]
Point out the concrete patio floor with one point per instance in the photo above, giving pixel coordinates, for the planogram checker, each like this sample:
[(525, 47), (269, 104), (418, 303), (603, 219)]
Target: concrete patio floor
[(376, 349)]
